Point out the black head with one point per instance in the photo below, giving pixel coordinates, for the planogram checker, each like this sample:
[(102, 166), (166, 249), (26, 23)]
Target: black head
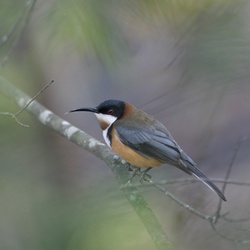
[(107, 112), (110, 107)]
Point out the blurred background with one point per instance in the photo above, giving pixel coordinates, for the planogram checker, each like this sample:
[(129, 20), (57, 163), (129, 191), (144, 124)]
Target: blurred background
[(184, 62)]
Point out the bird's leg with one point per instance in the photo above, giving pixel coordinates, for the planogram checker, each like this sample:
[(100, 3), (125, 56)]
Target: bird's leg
[(129, 167), (144, 176), (136, 171)]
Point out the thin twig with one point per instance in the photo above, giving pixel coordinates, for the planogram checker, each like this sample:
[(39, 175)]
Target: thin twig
[(228, 174), (191, 181), (34, 97), (212, 219), (226, 237), (247, 219), (178, 201), (14, 116)]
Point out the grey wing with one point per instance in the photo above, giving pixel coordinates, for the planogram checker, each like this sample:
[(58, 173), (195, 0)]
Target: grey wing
[(154, 141)]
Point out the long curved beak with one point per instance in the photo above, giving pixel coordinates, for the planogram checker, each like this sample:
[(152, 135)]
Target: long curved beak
[(93, 110)]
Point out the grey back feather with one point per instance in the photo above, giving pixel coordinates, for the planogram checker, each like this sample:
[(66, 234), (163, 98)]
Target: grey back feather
[(153, 140)]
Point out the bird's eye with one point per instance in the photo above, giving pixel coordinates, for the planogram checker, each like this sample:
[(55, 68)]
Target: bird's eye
[(110, 112)]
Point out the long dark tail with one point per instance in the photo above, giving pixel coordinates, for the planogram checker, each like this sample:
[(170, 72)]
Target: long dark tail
[(197, 173), (191, 166)]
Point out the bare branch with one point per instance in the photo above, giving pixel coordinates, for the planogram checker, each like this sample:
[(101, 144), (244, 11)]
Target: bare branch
[(217, 214), (191, 181), (178, 201), (228, 238), (237, 220), (14, 116), (65, 129), (213, 219)]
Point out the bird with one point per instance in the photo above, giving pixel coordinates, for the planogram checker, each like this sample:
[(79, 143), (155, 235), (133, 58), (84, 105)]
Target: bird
[(143, 141)]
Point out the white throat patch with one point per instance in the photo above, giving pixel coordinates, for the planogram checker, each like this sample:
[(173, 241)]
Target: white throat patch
[(108, 120)]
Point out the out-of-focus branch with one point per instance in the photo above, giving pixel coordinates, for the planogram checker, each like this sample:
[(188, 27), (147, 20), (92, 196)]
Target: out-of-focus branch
[(97, 148)]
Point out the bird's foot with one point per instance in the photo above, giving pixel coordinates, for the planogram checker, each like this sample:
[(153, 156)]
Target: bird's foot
[(144, 176), (134, 174), (130, 167)]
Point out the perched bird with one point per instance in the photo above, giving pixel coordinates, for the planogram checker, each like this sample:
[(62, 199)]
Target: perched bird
[(141, 140)]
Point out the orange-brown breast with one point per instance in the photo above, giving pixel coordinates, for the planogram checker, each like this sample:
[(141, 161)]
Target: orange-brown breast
[(131, 156)]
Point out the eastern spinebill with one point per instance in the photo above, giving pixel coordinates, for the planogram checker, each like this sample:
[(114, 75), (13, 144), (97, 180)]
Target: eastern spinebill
[(142, 141)]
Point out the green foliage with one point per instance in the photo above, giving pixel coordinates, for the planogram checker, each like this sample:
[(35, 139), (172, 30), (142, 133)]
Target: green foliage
[(103, 28), (9, 13), (88, 25)]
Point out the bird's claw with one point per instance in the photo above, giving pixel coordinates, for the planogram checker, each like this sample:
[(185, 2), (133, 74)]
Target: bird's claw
[(130, 168), (145, 177), (134, 174)]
